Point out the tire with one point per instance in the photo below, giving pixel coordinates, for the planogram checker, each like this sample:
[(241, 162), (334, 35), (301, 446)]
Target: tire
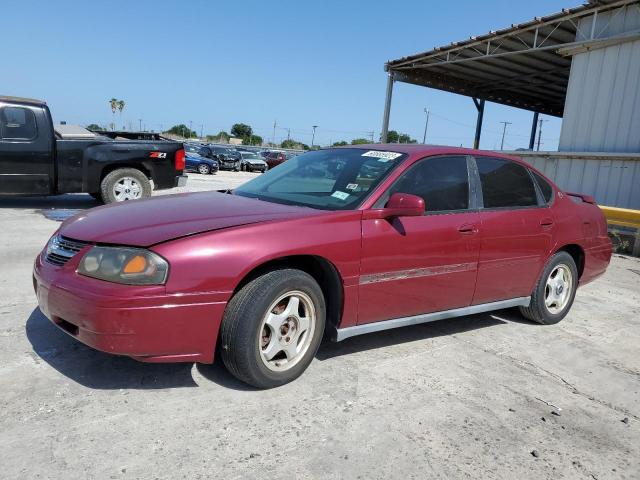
[(247, 341), (125, 177), (204, 169), (550, 289)]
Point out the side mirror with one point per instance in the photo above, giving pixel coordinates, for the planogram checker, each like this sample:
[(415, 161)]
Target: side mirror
[(399, 205)]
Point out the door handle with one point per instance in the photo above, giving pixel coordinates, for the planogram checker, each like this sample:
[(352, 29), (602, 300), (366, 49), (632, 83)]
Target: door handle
[(467, 229), (546, 222)]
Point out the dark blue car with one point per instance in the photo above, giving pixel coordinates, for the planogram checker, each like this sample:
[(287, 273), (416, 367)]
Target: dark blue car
[(197, 163)]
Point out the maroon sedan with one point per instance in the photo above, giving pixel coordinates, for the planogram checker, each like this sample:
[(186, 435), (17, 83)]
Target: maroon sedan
[(349, 241)]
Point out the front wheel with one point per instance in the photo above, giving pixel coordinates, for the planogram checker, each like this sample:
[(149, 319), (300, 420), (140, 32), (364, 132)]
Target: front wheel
[(272, 328), (555, 291), (124, 184)]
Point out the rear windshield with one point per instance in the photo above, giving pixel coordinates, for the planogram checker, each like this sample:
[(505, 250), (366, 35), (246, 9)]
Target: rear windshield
[(332, 179)]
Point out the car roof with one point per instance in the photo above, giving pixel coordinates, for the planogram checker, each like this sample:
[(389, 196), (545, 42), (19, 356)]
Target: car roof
[(30, 101), (421, 150)]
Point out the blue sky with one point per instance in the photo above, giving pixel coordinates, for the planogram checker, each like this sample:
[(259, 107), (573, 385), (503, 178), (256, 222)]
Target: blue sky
[(215, 63)]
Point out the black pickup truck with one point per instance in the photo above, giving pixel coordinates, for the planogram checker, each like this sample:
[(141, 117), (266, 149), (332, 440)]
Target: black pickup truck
[(37, 160)]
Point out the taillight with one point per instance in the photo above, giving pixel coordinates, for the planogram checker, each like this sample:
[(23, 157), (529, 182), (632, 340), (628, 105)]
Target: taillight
[(180, 159)]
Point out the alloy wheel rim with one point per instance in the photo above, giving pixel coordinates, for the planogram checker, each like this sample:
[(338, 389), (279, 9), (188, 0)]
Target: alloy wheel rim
[(127, 188), (203, 169), (558, 289), (286, 331)]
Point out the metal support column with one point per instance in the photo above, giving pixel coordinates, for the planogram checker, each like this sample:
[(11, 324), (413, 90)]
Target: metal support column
[(534, 126), (480, 107), (387, 108)]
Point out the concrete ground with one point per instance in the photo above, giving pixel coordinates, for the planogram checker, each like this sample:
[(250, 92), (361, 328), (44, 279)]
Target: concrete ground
[(487, 396)]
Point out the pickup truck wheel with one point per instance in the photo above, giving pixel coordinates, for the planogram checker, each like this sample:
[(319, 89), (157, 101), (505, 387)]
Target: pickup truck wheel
[(204, 169), (555, 291), (272, 328), (125, 184)]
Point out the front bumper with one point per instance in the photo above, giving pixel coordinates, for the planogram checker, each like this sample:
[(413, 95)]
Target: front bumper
[(145, 323), (181, 181)]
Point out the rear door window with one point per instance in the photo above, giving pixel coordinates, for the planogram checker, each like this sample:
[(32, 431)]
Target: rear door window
[(545, 188), (505, 184), (17, 123)]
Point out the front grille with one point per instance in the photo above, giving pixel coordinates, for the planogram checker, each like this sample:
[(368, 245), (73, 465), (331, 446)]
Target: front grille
[(61, 249)]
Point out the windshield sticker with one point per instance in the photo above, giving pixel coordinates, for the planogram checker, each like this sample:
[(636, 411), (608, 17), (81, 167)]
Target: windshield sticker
[(340, 195), (382, 155), (351, 186)]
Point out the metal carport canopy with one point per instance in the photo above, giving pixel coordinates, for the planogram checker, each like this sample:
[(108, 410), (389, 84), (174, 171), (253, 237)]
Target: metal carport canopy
[(526, 65)]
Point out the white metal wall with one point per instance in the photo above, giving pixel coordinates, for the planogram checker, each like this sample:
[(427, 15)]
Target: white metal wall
[(602, 109), (613, 179)]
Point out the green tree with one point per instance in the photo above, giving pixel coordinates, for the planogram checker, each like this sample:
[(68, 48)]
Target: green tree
[(395, 137), (290, 143), (95, 127), (182, 130), (222, 136), (341, 143), (404, 138), (392, 136), (359, 141), (242, 130), (255, 140)]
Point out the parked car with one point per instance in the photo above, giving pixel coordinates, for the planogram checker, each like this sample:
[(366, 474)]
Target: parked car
[(430, 233), (227, 159), (200, 164), (252, 162), (275, 158), (202, 150), (35, 159)]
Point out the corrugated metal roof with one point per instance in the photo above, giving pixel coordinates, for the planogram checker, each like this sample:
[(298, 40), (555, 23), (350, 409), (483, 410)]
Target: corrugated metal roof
[(518, 66)]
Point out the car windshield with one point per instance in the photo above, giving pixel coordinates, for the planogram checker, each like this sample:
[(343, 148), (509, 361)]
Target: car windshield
[(333, 179)]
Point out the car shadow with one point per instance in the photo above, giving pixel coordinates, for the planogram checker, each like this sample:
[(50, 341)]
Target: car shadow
[(57, 207), (103, 371), (94, 369), (440, 328)]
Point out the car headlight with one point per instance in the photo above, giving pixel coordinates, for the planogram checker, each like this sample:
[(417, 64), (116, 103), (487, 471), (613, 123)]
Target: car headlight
[(131, 266)]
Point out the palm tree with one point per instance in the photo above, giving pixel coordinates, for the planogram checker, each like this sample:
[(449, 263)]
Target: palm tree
[(113, 103), (120, 108)]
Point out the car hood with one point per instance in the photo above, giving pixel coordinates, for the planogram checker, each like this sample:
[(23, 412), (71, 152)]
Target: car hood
[(147, 222)]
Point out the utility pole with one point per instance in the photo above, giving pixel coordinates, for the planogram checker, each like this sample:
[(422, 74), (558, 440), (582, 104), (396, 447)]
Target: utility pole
[(504, 131), (313, 135), (426, 124), (190, 128), (540, 122), (288, 134), (371, 134), (140, 122), (201, 130), (273, 138)]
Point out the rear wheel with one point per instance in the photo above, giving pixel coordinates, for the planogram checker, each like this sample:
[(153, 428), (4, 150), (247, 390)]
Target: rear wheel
[(204, 169), (555, 291), (124, 184), (272, 328)]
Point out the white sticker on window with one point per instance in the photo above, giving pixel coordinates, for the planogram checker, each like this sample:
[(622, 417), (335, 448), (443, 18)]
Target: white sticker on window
[(340, 195), (382, 155), (351, 186)]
